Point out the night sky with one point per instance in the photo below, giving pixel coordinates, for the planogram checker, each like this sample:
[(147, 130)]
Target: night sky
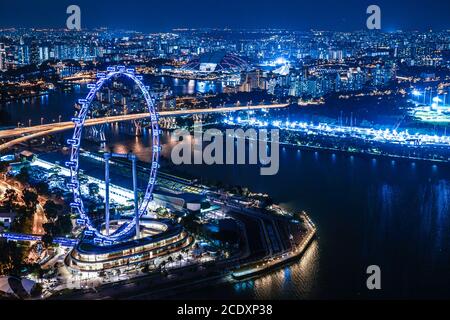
[(163, 15)]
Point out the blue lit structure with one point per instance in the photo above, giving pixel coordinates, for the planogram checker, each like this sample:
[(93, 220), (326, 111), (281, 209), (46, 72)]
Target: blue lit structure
[(219, 61), (127, 230), (430, 108), (65, 242), (386, 135), (90, 256)]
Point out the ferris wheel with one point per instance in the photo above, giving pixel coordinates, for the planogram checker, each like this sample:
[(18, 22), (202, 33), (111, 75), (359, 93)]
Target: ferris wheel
[(126, 230)]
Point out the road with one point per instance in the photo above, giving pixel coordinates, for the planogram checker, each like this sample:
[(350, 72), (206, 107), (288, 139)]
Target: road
[(39, 218), (40, 130)]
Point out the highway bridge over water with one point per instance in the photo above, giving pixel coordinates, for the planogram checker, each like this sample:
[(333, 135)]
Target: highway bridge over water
[(22, 135)]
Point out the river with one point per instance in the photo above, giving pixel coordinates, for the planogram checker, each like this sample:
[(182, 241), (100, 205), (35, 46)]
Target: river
[(368, 211)]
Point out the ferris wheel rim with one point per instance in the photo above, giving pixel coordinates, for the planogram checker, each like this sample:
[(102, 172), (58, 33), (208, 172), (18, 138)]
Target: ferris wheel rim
[(75, 144)]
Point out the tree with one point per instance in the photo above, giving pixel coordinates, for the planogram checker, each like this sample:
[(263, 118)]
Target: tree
[(189, 222), (51, 210), (23, 221), (180, 258), (41, 187), (36, 270), (146, 268), (31, 199), (3, 166), (94, 189), (9, 198), (11, 257), (59, 223), (161, 212), (64, 225), (47, 240), (24, 175), (50, 228)]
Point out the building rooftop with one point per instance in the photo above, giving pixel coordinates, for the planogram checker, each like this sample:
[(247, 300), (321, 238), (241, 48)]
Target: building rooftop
[(218, 61)]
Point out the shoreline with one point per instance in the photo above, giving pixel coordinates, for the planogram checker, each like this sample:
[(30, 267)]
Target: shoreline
[(275, 262), (362, 154)]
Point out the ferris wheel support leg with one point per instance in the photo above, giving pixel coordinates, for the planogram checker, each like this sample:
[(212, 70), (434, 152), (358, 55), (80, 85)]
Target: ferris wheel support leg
[(136, 206), (107, 157)]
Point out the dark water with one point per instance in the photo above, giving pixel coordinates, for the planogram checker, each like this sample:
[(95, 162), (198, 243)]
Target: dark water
[(395, 214), (61, 104), (47, 108), (368, 212)]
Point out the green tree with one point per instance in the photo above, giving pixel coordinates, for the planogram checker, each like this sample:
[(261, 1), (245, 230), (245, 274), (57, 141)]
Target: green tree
[(3, 166), (64, 225), (11, 257), (51, 210), (23, 221), (180, 258), (42, 187), (24, 175), (9, 198), (31, 199)]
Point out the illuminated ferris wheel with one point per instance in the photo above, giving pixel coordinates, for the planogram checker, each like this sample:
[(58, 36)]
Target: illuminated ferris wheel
[(126, 230)]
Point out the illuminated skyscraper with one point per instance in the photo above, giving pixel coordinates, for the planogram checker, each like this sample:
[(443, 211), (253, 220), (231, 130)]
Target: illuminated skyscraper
[(23, 53), (34, 56), (2, 57)]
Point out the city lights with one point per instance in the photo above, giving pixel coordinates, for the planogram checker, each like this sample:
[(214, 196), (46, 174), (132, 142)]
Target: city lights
[(386, 135), (304, 157)]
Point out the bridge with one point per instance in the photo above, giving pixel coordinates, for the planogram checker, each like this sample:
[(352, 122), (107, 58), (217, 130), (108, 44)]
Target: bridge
[(65, 242), (33, 132)]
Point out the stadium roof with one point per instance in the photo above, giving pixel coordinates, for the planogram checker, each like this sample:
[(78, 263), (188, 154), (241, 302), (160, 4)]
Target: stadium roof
[(218, 61)]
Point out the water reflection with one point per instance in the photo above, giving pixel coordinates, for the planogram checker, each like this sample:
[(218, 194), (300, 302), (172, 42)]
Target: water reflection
[(394, 213), (289, 282)]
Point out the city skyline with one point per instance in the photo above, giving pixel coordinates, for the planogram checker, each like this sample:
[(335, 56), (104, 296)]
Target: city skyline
[(224, 150)]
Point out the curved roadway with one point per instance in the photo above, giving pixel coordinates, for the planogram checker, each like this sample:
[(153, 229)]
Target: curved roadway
[(49, 129)]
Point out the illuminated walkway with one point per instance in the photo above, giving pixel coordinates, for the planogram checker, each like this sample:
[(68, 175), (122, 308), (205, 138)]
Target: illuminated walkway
[(64, 242)]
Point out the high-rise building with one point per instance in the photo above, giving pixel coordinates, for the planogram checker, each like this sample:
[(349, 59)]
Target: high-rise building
[(2, 57), (34, 55), (23, 53), (253, 80), (44, 53)]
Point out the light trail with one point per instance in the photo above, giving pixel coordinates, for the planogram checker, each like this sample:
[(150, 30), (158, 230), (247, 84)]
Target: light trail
[(49, 129)]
